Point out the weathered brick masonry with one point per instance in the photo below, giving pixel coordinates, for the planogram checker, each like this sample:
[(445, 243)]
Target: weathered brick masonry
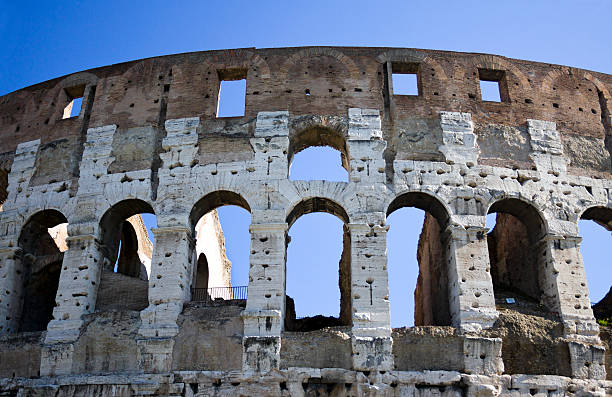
[(148, 139)]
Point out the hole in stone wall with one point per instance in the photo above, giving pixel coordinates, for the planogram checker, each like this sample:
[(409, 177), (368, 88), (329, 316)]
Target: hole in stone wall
[(314, 152), (318, 267), (74, 96), (595, 227), (127, 250), (493, 85), (405, 78), (43, 241), (318, 163), (405, 84), (232, 93), (417, 262), (489, 91), (516, 256), (221, 229)]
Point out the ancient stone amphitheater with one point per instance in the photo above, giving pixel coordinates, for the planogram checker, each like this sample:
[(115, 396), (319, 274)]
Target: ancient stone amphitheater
[(88, 306)]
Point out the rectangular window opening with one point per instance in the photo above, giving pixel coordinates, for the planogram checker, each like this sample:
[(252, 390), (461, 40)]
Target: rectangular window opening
[(489, 91), (75, 101), (405, 78), (232, 93), (493, 86)]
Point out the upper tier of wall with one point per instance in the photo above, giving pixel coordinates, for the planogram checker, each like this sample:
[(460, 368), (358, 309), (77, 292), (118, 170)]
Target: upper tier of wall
[(147, 92)]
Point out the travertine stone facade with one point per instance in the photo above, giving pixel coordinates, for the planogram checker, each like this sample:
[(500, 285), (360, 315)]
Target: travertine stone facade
[(147, 140)]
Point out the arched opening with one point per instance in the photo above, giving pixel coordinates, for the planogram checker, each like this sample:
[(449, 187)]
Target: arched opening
[(43, 241), (318, 266), (318, 153), (127, 249), (220, 224), (515, 253), (417, 261), (595, 226)]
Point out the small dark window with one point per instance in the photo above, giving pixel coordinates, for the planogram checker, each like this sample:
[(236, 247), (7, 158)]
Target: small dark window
[(74, 96), (493, 85), (405, 77), (232, 93)]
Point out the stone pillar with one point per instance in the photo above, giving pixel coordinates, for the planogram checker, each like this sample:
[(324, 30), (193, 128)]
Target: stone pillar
[(371, 328), (169, 287), (76, 296), (11, 272), (563, 282), (264, 313), (472, 303), (11, 289), (371, 324)]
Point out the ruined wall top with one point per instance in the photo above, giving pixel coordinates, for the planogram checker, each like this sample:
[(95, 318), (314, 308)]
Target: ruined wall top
[(323, 81)]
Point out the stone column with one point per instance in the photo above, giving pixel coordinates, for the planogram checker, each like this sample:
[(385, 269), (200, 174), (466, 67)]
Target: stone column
[(11, 289), (169, 288), (265, 311), (173, 252), (472, 303), (76, 296), (371, 330), (11, 272), (563, 282), (371, 324), (264, 314)]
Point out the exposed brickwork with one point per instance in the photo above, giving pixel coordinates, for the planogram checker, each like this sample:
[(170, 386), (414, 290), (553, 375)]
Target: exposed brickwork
[(147, 140)]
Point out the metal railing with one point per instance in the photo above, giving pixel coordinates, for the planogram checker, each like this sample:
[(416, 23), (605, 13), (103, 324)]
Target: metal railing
[(214, 293)]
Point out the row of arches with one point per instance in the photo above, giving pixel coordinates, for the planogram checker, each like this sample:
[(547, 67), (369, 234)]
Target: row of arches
[(318, 273)]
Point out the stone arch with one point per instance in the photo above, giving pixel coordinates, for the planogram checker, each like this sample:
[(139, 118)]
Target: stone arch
[(37, 275), (82, 78), (549, 80), (431, 296), (209, 254), (294, 59), (316, 204), (602, 215), (306, 132), (496, 62), (412, 56), (423, 200), (215, 200), (126, 254), (326, 205), (523, 209), (517, 256)]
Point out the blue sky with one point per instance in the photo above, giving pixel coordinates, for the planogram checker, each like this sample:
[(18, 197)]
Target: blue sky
[(43, 39)]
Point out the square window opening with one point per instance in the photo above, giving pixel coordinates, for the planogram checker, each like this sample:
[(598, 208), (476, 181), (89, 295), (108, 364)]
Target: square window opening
[(489, 91), (493, 85), (232, 93), (75, 101), (405, 84), (405, 78)]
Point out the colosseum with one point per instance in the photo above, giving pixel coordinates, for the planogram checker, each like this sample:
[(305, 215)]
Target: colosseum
[(89, 306)]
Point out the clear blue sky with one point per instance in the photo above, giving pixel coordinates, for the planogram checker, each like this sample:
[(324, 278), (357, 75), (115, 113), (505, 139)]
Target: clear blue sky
[(42, 40)]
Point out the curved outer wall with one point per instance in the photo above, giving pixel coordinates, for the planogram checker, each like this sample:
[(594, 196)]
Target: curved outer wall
[(148, 130)]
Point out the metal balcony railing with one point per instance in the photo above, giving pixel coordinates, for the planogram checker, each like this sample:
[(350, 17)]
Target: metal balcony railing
[(225, 293)]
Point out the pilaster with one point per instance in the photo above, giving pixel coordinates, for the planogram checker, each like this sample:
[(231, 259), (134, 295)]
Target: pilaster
[(264, 314)]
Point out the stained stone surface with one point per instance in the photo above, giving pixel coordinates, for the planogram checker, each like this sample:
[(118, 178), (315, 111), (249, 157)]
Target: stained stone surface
[(148, 140)]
